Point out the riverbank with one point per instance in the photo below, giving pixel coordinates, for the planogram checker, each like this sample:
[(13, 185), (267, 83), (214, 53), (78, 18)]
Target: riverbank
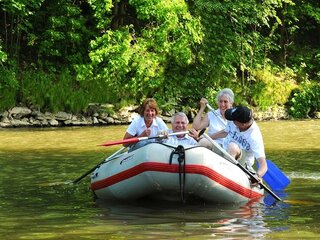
[(100, 114)]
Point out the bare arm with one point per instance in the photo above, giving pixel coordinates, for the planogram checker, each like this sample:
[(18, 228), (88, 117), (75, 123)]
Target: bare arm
[(220, 134), (263, 168), (200, 122)]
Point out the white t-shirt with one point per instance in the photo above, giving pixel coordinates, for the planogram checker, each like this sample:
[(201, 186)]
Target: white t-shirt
[(216, 124), (250, 141), (184, 141), (138, 125)]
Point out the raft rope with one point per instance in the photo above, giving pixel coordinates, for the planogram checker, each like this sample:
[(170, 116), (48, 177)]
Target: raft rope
[(180, 151)]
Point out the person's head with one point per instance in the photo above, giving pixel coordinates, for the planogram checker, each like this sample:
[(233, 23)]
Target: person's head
[(179, 122), (225, 99), (241, 116), (149, 108)]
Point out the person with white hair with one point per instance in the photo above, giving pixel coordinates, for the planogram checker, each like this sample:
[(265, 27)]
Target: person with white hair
[(180, 123), (216, 120)]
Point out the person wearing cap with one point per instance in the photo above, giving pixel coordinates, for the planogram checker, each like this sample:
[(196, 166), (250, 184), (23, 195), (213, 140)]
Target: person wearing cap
[(216, 121), (243, 139)]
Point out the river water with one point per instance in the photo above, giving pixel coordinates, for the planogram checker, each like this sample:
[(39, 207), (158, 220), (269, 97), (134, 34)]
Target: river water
[(38, 200)]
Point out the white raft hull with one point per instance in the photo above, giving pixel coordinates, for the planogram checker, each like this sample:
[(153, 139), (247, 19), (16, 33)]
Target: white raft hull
[(147, 172)]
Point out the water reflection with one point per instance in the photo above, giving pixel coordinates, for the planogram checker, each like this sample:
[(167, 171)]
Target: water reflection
[(233, 221)]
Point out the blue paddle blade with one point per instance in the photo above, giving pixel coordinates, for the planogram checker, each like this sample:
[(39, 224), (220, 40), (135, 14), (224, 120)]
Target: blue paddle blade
[(274, 177), (270, 200)]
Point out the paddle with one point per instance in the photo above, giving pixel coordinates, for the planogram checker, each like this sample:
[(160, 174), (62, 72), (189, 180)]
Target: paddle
[(274, 177), (136, 139), (92, 169), (230, 158)]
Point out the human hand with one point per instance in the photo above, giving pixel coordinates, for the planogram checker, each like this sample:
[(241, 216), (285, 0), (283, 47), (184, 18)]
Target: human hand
[(146, 133), (193, 133), (256, 181), (163, 134), (203, 102)]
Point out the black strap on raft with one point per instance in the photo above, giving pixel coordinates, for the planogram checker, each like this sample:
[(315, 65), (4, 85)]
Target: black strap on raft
[(180, 151)]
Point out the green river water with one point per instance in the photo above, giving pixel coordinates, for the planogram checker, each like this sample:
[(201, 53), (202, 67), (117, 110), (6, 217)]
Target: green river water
[(38, 201)]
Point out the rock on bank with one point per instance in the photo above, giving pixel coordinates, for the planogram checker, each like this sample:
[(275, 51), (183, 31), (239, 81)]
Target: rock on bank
[(97, 114)]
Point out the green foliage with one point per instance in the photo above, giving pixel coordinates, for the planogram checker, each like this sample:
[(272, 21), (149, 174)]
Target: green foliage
[(237, 38), (44, 92), (133, 60), (70, 53), (305, 101), (102, 12), (300, 39), (15, 24), (50, 91), (3, 55), (65, 36), (8, 88), (271, 87), (306, 63)]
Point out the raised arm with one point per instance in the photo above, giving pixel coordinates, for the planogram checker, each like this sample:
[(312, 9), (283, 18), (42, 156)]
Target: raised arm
[(200, 122)]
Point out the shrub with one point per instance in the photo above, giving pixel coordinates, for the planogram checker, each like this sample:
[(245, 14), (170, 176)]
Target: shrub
[(271, 87), (8, 88), (305, 100)]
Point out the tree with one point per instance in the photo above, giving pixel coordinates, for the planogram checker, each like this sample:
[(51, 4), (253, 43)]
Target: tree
[(132, 56)]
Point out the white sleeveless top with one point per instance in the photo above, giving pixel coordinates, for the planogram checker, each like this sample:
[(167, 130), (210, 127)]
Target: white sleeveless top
[(216, 124)]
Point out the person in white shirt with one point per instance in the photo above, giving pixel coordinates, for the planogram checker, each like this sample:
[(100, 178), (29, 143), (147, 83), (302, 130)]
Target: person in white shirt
[(147, 124), (216, 121), (180, 123), (243, 140)]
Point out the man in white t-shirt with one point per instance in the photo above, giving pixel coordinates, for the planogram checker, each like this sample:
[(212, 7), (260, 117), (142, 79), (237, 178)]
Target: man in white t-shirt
[(243, 139)]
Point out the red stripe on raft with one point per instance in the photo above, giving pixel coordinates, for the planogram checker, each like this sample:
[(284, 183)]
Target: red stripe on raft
[(174, 168)]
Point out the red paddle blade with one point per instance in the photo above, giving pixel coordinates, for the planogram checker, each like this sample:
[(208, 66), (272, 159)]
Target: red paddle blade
[(129, 140)]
